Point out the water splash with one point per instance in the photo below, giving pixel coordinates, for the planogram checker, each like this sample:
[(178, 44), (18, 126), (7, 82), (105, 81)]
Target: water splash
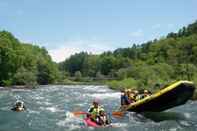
[(51, 107)]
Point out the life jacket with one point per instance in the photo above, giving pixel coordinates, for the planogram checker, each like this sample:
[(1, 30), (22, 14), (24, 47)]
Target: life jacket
[(95, 111), (103, 120), (20, 109)]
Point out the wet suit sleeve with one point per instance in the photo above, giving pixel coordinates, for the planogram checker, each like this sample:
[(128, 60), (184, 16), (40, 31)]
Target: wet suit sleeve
[(127, 101)]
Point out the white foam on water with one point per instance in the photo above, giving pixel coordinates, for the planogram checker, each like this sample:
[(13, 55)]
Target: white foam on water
[(20, 90), (60, 123), (33, 112), (47, 103), (184, 123), (104, 95), (69, 114), (119, 124), (173, 129), (70, 117), (44, 103), (80, 104), (73, 127), (96, 88), (193, 102), (70, 122), (187, 115), (51, 109), (38, 97)]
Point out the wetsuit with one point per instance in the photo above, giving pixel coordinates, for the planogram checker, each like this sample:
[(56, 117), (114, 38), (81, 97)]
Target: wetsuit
[(124, 100)]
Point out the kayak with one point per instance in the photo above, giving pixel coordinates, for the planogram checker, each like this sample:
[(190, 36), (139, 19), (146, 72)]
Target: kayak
[(89, 122), (173, 95)]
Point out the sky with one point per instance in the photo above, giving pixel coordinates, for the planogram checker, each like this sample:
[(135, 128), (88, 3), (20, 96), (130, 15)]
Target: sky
[(66, 27)]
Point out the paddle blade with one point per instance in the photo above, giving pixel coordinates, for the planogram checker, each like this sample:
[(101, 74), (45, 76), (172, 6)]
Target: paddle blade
[(118, 114), (79, 113)]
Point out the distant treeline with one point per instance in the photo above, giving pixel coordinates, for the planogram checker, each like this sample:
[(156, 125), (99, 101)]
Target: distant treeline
[(173, 57), (162, 60), (24, 64)]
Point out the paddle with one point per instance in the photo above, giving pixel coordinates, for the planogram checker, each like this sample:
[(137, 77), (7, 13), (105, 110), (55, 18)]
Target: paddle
[(78, 113), (118, 114)]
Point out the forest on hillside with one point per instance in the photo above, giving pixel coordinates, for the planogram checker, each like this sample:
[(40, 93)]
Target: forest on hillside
[(24, 64), (163, 60), (159, 61)]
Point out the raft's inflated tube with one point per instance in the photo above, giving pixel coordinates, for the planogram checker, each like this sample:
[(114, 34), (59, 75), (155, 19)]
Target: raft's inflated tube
[(173, 95)]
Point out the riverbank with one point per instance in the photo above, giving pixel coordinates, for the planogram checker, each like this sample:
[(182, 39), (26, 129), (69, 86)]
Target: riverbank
[(18, 87), (68, 82), (71, 82)]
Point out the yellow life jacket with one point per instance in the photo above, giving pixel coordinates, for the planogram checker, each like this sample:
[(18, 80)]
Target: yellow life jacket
[(95, 111)]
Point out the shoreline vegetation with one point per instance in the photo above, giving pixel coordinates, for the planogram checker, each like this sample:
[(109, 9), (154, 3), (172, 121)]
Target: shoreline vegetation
[(150, 65)]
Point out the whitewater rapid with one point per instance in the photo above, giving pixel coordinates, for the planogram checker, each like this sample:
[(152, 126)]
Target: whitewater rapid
[(49, 108)]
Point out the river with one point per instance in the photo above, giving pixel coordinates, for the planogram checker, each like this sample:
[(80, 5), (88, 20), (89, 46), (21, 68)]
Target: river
[(49, 108)]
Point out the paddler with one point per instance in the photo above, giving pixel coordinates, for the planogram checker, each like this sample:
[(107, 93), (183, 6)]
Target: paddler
[(19, 106), (124, 98), (103, 119), (94, 111), (137, 95), (131, 96), (147, 93)]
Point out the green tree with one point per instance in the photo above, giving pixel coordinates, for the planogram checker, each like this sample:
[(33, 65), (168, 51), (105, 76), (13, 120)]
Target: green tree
[(78, 76), (99, 76), (24, 77)]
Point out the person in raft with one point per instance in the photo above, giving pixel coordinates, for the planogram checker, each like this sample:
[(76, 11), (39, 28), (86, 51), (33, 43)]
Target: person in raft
[(124, 98), (147, 93), (96, 114), (19, 106), (103, 119), (131, 96)]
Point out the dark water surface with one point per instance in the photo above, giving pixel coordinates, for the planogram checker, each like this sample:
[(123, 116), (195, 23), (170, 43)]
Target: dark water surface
[(50, 107)]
